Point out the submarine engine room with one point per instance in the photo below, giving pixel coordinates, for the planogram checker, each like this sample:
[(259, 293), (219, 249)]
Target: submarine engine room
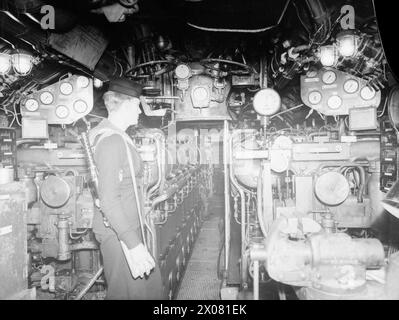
[(267, 137)]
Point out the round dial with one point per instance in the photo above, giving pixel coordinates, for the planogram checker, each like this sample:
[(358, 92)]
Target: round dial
[(267, 102), (334, 102), (83, 82), (62, 112), (351, 86), (282, 142), (329, 77), (31, 105), (80, 106), (47, 98), (183, 71), (66, 88), (200, 94), (279, 160), (367, 93), (315, 97)]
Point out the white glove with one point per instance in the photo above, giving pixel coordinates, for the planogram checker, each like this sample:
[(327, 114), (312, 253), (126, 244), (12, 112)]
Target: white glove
[(139, 260)]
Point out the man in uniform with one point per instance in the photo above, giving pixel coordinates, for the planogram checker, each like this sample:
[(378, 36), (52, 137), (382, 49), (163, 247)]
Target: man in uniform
[(119, 219)]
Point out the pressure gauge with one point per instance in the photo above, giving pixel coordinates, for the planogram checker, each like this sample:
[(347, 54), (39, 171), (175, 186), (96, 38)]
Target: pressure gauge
[(281, 154), (279, 160), (66, 88), (31, 105), (351, 86), (200, 94), (315, 97), (334, 102), (83, 82), (47, 98), (282, 142), (267, 102), (367, 93), (183, 71), (80, 106), (62, 112), (329, 77)]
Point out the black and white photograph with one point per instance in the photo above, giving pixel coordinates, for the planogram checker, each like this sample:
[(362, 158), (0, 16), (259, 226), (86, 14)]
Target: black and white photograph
[(214, 151)]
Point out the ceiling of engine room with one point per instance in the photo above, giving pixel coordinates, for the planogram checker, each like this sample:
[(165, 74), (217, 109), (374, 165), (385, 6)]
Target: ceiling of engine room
[(191, 25), (176, 17)]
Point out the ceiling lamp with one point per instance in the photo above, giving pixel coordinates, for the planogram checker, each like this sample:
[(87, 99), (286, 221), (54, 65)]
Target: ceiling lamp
[(347, 43), (328, 56), (5, 63), (98, 83), (22, 63)]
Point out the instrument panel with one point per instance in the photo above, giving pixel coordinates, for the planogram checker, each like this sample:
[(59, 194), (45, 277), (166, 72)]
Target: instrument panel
[(334, 93), (64, 102)]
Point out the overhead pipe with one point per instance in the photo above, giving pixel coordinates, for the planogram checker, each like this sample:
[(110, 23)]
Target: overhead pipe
[(227, 219), (320, 16), (243, 212)]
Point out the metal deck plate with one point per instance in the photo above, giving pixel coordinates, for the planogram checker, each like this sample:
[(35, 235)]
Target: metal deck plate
[(200, 280)]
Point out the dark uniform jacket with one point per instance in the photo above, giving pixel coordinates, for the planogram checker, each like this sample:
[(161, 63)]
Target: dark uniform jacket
[(115, 186)]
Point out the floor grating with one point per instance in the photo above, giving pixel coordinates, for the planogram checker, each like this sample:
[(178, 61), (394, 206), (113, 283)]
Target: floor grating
[(200, 281)]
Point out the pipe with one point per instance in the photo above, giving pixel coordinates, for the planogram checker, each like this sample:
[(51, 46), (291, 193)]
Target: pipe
[(241, 192), (226, 196), (159, 164), (256, 280), (321, 18), (317, 10), (64, 250), (341, 247), (267, 194), (362, 174), (260, 203), (89, 284)]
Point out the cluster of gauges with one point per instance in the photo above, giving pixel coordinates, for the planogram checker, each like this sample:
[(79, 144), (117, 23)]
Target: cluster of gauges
[(63, 102), (65, 89), (350, 87)]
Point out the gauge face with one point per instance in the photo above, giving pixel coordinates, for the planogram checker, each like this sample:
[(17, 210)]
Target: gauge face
[(351, 86), (47, 98), (329, 77), (315, 97), (183, 71), (66, 88), (367, 93), (80, 106), (282, 142), (62, 112), (83, 82), (279, 160), (334, 102), (267, 102), (200, 94), (31, 105)]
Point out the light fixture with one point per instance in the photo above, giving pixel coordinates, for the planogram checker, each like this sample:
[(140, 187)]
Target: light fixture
[(22, 63), (347, 43), (98, 83), (328, 56), (5, 63)]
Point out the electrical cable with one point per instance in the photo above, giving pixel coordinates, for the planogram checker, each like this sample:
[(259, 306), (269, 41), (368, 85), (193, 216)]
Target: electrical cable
[(96, 116), (16, 114), (287, 111)]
